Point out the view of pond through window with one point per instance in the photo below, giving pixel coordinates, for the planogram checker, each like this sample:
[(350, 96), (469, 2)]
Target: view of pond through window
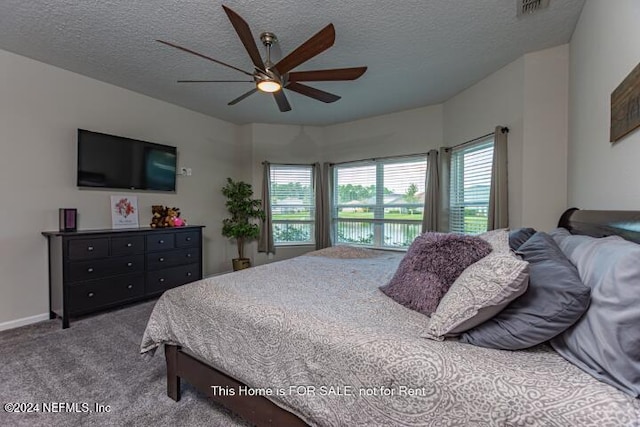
[(379, 203)]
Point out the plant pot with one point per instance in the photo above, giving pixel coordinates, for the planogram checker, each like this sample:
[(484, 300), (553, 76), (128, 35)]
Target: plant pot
[(241, 263)]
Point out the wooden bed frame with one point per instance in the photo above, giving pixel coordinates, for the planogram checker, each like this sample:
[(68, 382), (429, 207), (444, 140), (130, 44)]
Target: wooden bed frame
[(625, 224), (260, 411)]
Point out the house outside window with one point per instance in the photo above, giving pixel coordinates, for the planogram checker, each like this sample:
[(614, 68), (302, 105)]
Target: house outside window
[(379, 203), (292, 204), (470, 183)]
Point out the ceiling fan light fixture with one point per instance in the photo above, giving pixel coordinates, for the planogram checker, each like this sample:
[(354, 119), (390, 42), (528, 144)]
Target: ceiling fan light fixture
[(269, 86)]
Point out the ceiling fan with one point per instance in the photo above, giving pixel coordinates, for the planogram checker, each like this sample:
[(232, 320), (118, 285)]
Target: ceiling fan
[(272, 78)]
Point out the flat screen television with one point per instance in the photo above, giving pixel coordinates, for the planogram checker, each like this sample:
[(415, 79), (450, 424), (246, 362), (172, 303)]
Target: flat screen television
[(108, 161)]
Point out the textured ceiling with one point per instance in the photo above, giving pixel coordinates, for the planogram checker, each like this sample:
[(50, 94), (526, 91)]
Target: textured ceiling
[(419, 52)]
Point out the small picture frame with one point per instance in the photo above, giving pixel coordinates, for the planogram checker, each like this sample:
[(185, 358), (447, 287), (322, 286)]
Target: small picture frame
[(124, 212), (68, 219)]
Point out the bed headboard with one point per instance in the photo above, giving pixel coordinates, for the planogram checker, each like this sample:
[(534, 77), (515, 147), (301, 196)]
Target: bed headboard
[(625, 224)]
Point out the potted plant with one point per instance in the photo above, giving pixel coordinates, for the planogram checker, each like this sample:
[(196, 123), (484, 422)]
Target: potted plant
[(243, 209)]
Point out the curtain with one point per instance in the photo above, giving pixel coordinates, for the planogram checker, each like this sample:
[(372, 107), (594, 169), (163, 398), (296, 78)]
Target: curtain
[(265, 243), (323, 209), (432, 193), (498, 194), (444, 178)]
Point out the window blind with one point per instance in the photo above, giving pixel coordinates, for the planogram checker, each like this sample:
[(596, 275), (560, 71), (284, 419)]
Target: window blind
[(470, 182), (292, 204)]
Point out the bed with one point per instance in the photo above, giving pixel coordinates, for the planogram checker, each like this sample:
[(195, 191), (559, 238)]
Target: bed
[(313, 341)]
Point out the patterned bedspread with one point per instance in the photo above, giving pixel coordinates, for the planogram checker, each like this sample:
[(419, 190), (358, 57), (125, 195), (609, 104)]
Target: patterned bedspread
[(332, 348)]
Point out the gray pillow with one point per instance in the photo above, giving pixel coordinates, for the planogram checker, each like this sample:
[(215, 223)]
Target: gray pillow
[(554, 300), (559, 234), (569, 242), (605, 342), (432, 263), (518, 236)]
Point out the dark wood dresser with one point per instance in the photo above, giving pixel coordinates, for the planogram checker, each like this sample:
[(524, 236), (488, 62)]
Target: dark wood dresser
[(92, 270)]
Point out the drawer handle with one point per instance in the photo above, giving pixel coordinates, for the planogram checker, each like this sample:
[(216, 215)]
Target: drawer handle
[(90, 270), (188, 239), (161, 242), (129, 244), (90, 248), (161, 259), (90, 294), (129, 286), (188, 255), (189, 274), (161, 280), (129, 264)]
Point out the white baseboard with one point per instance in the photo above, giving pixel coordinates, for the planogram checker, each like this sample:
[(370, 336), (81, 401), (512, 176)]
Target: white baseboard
[(24, 321)]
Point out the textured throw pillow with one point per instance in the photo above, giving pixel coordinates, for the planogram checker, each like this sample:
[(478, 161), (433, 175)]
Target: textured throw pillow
[(432, 263), (605, 342), (555, 299), (498, 239), (518, 236), (481, 291)]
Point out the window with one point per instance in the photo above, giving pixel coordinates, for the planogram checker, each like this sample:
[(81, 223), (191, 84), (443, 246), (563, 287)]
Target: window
[(379, 203), (292, 204), (470, 182)]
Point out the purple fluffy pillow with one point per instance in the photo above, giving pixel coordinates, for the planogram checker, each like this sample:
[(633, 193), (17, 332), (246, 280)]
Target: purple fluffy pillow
[(432, 263)]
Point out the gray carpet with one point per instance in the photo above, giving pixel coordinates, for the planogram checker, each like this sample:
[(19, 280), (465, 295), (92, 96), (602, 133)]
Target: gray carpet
[(97, 360)]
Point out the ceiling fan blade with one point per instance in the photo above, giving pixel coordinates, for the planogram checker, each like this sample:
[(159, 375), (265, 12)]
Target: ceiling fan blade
[(282, 101), (312, 92), (244, 32), (317, 44), (215, 81), (243, 96), (327, 75), (203, 56)]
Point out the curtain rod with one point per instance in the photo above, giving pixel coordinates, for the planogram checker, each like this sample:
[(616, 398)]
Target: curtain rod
[(373, 159), (504, 130)]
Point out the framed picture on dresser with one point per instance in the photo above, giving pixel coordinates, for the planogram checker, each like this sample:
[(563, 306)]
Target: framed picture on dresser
[(124, 212)]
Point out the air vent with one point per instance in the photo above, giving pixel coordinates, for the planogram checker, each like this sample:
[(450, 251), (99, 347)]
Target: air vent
[(527, 7)]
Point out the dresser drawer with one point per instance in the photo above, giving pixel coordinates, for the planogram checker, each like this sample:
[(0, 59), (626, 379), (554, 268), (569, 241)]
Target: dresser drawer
[(89, 295), (127, 245), (94, 269), (160, 241), (88, 248), (161, 280), (187, 238), (159, 260)]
